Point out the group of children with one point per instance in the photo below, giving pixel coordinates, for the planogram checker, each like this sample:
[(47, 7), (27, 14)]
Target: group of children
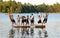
[(26, 19), (45, 19)]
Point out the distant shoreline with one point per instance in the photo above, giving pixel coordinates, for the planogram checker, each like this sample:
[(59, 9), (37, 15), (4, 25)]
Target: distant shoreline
[(29, 13)]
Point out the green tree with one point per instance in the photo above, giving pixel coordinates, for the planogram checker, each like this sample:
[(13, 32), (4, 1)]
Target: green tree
[(41, 8), (18, 7)]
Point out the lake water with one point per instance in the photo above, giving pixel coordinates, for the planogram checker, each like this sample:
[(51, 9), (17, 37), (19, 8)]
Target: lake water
[(52, 25)]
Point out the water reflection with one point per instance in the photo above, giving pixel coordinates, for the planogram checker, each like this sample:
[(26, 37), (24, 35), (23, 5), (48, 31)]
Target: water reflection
[(52, 27), (25, 33), (11, 33)]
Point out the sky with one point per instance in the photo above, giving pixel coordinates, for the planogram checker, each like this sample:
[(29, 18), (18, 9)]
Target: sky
[(37, 2)]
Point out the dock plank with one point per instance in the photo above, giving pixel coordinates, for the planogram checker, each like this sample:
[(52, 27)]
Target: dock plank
[(21, 26), (38, 26)]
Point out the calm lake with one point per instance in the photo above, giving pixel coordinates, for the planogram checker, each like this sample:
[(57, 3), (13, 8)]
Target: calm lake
[(52, 25)]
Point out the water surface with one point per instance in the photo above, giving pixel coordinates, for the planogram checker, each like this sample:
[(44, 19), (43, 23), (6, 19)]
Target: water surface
[(52, 26)]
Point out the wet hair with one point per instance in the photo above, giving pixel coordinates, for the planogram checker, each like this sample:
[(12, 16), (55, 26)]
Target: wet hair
[(46, 15), (31, 14), (23, 16), (18, 15), (39, 16), (11, 15), (27, 16)]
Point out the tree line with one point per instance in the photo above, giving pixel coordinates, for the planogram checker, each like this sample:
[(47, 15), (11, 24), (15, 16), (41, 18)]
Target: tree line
[(18, 7)]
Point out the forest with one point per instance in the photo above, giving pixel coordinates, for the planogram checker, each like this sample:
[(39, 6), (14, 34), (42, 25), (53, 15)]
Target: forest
[(18, 7)]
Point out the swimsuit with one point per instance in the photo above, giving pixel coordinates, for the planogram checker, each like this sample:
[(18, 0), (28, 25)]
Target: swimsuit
[(39, 21), (45, 20), (27, 21), (13, 21)]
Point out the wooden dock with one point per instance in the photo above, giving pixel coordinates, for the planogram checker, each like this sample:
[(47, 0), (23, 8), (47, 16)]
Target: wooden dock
[(21, 26), (40, 26)]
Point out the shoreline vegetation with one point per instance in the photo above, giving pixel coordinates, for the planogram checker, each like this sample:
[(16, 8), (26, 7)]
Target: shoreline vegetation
[(18, 7)]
